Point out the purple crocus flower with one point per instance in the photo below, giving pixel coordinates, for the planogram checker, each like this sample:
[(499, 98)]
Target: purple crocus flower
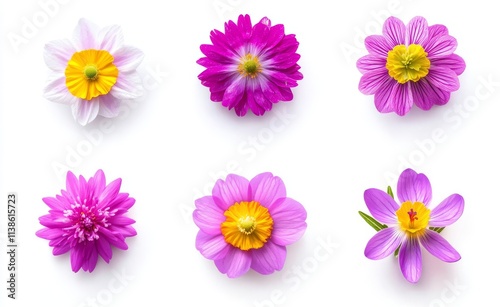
[(87, 219), (248, 224), (409, 221), (250, 66), (408, 65)]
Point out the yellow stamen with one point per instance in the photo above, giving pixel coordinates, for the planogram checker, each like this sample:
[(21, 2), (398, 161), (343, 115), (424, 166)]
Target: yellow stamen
[(249, 66), (413, 216), (248, 225), (90, 73), (407, 63)]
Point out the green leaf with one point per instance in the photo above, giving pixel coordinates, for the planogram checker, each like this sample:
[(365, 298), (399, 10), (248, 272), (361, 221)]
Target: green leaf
[(396, 252), (372, 222), (389, 191), (437, 229)]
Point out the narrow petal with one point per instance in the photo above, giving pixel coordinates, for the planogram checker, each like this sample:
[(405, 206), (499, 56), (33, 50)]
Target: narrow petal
[(54, 203), (233, 190), (447, 212), (77, 257), (370, 62), (383, 95), (235, 264), (57, 54), (410, 259), (269, 258), (50, 234), (57, 91), (110, 192), (127, 86), (72, 185), (414, 187), (91, 256), (85, 111), (104, 249), (443, 46), (373, 80), (417, 31), (394, 31), (381, 205), (425, 95), (61, 249), (383, 243), (85, 35), (127, 58), (208, 216), (109, 106), (443, 78), (378, 45), (267, 189), (234, 93), (402, 100), (110, 38), (435, 244), (212, 247), (289, 219)]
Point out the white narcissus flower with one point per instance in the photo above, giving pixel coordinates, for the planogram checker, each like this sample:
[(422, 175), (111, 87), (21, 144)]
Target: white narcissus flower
[(93, 71)]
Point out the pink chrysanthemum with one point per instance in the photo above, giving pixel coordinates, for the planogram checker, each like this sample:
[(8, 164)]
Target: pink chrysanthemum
[(248, 224), (408, 65), (409, 223), (87, 219), (92, 72), (250, 66)]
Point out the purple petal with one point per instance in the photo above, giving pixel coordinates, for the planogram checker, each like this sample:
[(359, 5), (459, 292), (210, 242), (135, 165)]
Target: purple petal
[(377, 45), (77, 257), (85, 111), (289, 219), (127, 58), (212, 247), (91, 256), (425, 95), (410, 259), (61, 249), (50, 234), (72, 184), (401, 98), (234, 93), (381, 205), (383, 243), (85, 35), (383, 96), (372, 81), (110, 38), (113, 238), (57, 54), (235, 264), (447, 212), (57, 91), (417, 31), (276, 35), (435, 244), (414, 187), (443, 78), (233, 190), (394, 31), (269, 258), (127, 86), (370, 63), (109, 106), (442, 46), (120, 220), (208, 216), (110, 192), (452, 61), (54, 203), (267, 189), (104, 249), (256, 108)]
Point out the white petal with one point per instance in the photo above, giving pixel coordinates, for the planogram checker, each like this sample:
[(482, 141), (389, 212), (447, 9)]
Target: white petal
[(110, 38), (85, 111), (57, 54), (109, 106), (85, 35), (56, 90), (127, 58), (128, 86)]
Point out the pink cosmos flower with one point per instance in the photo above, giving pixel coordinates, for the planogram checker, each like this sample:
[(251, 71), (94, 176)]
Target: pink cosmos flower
[(248, 224), (93, 71), (408, 65), (250, 66), (409, 221), (87, 219)]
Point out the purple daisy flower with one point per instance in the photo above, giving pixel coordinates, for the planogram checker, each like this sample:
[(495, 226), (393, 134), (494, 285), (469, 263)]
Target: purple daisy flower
[(250, 66), (93, 72), (408, 65), (409, 221), (248, 224), (87, 219)]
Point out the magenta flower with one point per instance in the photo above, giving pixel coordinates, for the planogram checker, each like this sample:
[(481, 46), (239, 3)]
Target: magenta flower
[(250, 66), (408, 65), (247, 225), (87, 219), (409, 221), (93, 72)]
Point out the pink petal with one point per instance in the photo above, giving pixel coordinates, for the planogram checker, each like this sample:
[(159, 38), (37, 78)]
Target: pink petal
[(383, 95), (127, 86), (77, 257), (212, 247), (289, 219), (104, 249), (425, 95), (410, 259), (50, 234), (233, 190), (269, 258), (443, 78), (394, 31), (417, 31), (91, 256), (452, 61), (235, 264), (372, 81), (401, 98), (381, 206), (435, 244), (442, 46), (267, 189), (57, 54), (110, 38), (234, 93), (447, 212), (370, 63), (127, 58), (54, 203), (414, 187), (110, 192), (85, 111), (56, 91), (383, 243), (208, 216), (109, 106), (377, 45), (85, 35)]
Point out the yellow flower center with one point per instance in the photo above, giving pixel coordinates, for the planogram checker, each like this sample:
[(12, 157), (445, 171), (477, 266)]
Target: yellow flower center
[(90, 73), (249, 66), (407, 63), (413, 216), (248, 225)]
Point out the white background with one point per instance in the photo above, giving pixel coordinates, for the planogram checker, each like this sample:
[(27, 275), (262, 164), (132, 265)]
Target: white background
[(328, 145)]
